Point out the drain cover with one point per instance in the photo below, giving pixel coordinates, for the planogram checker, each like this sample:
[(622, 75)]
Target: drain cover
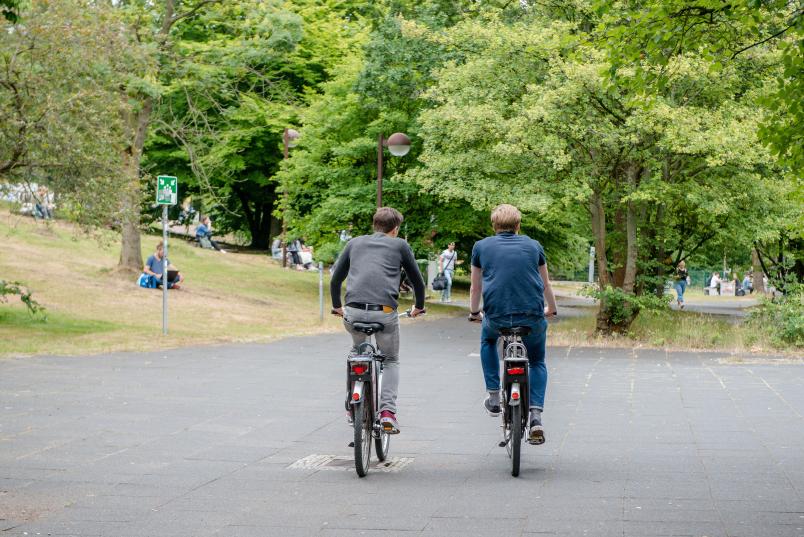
[(339, 462)]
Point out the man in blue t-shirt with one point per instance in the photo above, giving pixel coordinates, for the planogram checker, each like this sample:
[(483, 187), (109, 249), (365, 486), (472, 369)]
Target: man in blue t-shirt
[(510, 270)]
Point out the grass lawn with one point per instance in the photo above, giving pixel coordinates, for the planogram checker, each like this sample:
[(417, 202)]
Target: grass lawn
[(91, 308)]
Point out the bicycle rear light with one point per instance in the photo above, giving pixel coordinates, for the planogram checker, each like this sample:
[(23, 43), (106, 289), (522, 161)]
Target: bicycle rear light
[(355, 396), (515, 395), (359, 369), (516, 371)]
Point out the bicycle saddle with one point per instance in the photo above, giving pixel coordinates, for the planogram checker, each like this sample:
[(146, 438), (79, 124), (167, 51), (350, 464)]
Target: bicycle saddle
[(515, 331), (368, 328)]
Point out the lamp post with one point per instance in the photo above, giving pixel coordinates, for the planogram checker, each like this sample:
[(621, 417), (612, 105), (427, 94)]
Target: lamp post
[(289, 138), (399, 145)]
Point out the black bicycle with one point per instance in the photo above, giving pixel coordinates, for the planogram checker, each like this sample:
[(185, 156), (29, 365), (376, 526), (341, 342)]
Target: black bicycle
[(364, 379), (515, 397)]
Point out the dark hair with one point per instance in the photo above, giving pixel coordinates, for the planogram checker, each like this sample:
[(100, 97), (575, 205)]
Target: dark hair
[(386, 219)]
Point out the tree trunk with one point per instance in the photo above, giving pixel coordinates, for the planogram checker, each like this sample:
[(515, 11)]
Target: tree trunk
[(758, 273), (629, 277), (131, 246), (599, 230)]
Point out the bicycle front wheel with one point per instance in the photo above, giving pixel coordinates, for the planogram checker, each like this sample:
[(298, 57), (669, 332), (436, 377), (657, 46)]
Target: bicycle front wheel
[(516, 438), (362, 426), (382, 444)]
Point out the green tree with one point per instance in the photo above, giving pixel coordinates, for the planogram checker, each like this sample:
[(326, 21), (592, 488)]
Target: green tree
[(550, 134), (243, 72), (60, 111), (148, 24), (646, 37)]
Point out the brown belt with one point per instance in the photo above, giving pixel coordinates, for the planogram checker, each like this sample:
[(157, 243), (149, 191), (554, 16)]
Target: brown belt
[(370, 307)]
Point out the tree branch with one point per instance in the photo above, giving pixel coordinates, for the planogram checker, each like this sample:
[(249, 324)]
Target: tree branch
[(774, 36), (192, 11)]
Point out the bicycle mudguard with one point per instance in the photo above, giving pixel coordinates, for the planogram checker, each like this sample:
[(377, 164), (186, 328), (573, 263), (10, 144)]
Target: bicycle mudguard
[(357, 391), (515, 397)]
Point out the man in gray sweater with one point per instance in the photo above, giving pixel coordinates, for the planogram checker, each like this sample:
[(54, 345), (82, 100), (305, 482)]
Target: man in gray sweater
[(371, 266)]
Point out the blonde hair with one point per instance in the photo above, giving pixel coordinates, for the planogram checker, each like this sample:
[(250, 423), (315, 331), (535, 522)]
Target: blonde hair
[(505, 217)]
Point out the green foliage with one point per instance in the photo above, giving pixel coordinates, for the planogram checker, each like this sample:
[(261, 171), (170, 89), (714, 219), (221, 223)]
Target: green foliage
[(61, 112), (647, 36), (622, 308), (26, 296), (8, 9), (244, 71), (782, 317)]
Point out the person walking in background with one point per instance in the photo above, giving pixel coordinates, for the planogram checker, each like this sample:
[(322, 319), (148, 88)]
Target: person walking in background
[(446, 266), (294, 247), (714, 284), (681, 283), (748, 285)]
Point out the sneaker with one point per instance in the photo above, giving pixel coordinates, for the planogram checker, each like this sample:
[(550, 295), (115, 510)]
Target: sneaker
[(491, 410), (536, 436), (388, 422)]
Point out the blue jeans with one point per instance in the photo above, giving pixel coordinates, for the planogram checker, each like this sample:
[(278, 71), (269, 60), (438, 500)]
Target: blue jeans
[(534, 343), (681, 286), (446, 294)]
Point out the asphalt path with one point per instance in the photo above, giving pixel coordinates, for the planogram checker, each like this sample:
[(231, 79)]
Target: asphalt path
[(250, 440)]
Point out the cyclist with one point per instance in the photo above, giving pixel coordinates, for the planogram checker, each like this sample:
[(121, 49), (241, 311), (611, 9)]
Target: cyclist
[(510, 270), (373, 265)]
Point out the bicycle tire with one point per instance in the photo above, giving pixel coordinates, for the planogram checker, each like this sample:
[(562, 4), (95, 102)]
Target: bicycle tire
[(382, 444), (362, 426), (516, 438)]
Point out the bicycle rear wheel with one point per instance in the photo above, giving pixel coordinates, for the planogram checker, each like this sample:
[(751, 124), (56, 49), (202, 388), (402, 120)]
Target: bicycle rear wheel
[(516, 438), (362, 426)]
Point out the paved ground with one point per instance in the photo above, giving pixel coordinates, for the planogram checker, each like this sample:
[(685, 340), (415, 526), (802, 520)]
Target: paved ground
[(199, 442)]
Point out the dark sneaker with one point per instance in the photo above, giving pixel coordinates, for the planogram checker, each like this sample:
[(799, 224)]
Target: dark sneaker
[(388, 422), (491, 410), (536, 436)]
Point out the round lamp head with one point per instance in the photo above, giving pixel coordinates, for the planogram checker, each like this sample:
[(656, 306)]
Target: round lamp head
[(293, 136), (398, 144)]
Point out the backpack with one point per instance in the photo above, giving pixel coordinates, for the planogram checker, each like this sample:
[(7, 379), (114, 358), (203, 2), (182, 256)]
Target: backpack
[(147, 281)]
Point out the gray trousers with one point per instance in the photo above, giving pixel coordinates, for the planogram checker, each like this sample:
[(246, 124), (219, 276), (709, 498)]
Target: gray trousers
[(387, 344)]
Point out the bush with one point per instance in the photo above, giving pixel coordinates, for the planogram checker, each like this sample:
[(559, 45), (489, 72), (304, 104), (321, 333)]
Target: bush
[(17, 288), (782, 317), (621, 308)]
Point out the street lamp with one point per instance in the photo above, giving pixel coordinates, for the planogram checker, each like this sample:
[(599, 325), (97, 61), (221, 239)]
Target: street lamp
[(289, 138), (399, 145)]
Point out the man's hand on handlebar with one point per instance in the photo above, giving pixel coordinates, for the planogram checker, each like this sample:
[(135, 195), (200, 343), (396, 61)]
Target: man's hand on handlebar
[(476, 317), (337, 311), (415, 312), (550, 313)]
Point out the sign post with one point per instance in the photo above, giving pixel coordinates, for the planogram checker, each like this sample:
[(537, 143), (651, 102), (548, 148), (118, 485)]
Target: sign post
[(167, 193)]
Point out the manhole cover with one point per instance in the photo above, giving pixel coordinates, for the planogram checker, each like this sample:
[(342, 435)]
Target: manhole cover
[(339, 462)]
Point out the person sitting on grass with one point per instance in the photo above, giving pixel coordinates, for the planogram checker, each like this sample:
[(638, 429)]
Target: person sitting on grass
[(152, 272), (203, 234)]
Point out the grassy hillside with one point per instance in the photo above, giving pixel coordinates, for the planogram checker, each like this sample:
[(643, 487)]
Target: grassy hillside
[(91, 308)]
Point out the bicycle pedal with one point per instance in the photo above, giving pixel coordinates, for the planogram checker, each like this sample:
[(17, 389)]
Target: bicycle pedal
[(351, 444), (502, 444)]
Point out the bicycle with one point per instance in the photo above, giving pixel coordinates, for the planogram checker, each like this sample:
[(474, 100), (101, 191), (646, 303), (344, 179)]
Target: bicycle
[(364, 378), (515, 394)]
